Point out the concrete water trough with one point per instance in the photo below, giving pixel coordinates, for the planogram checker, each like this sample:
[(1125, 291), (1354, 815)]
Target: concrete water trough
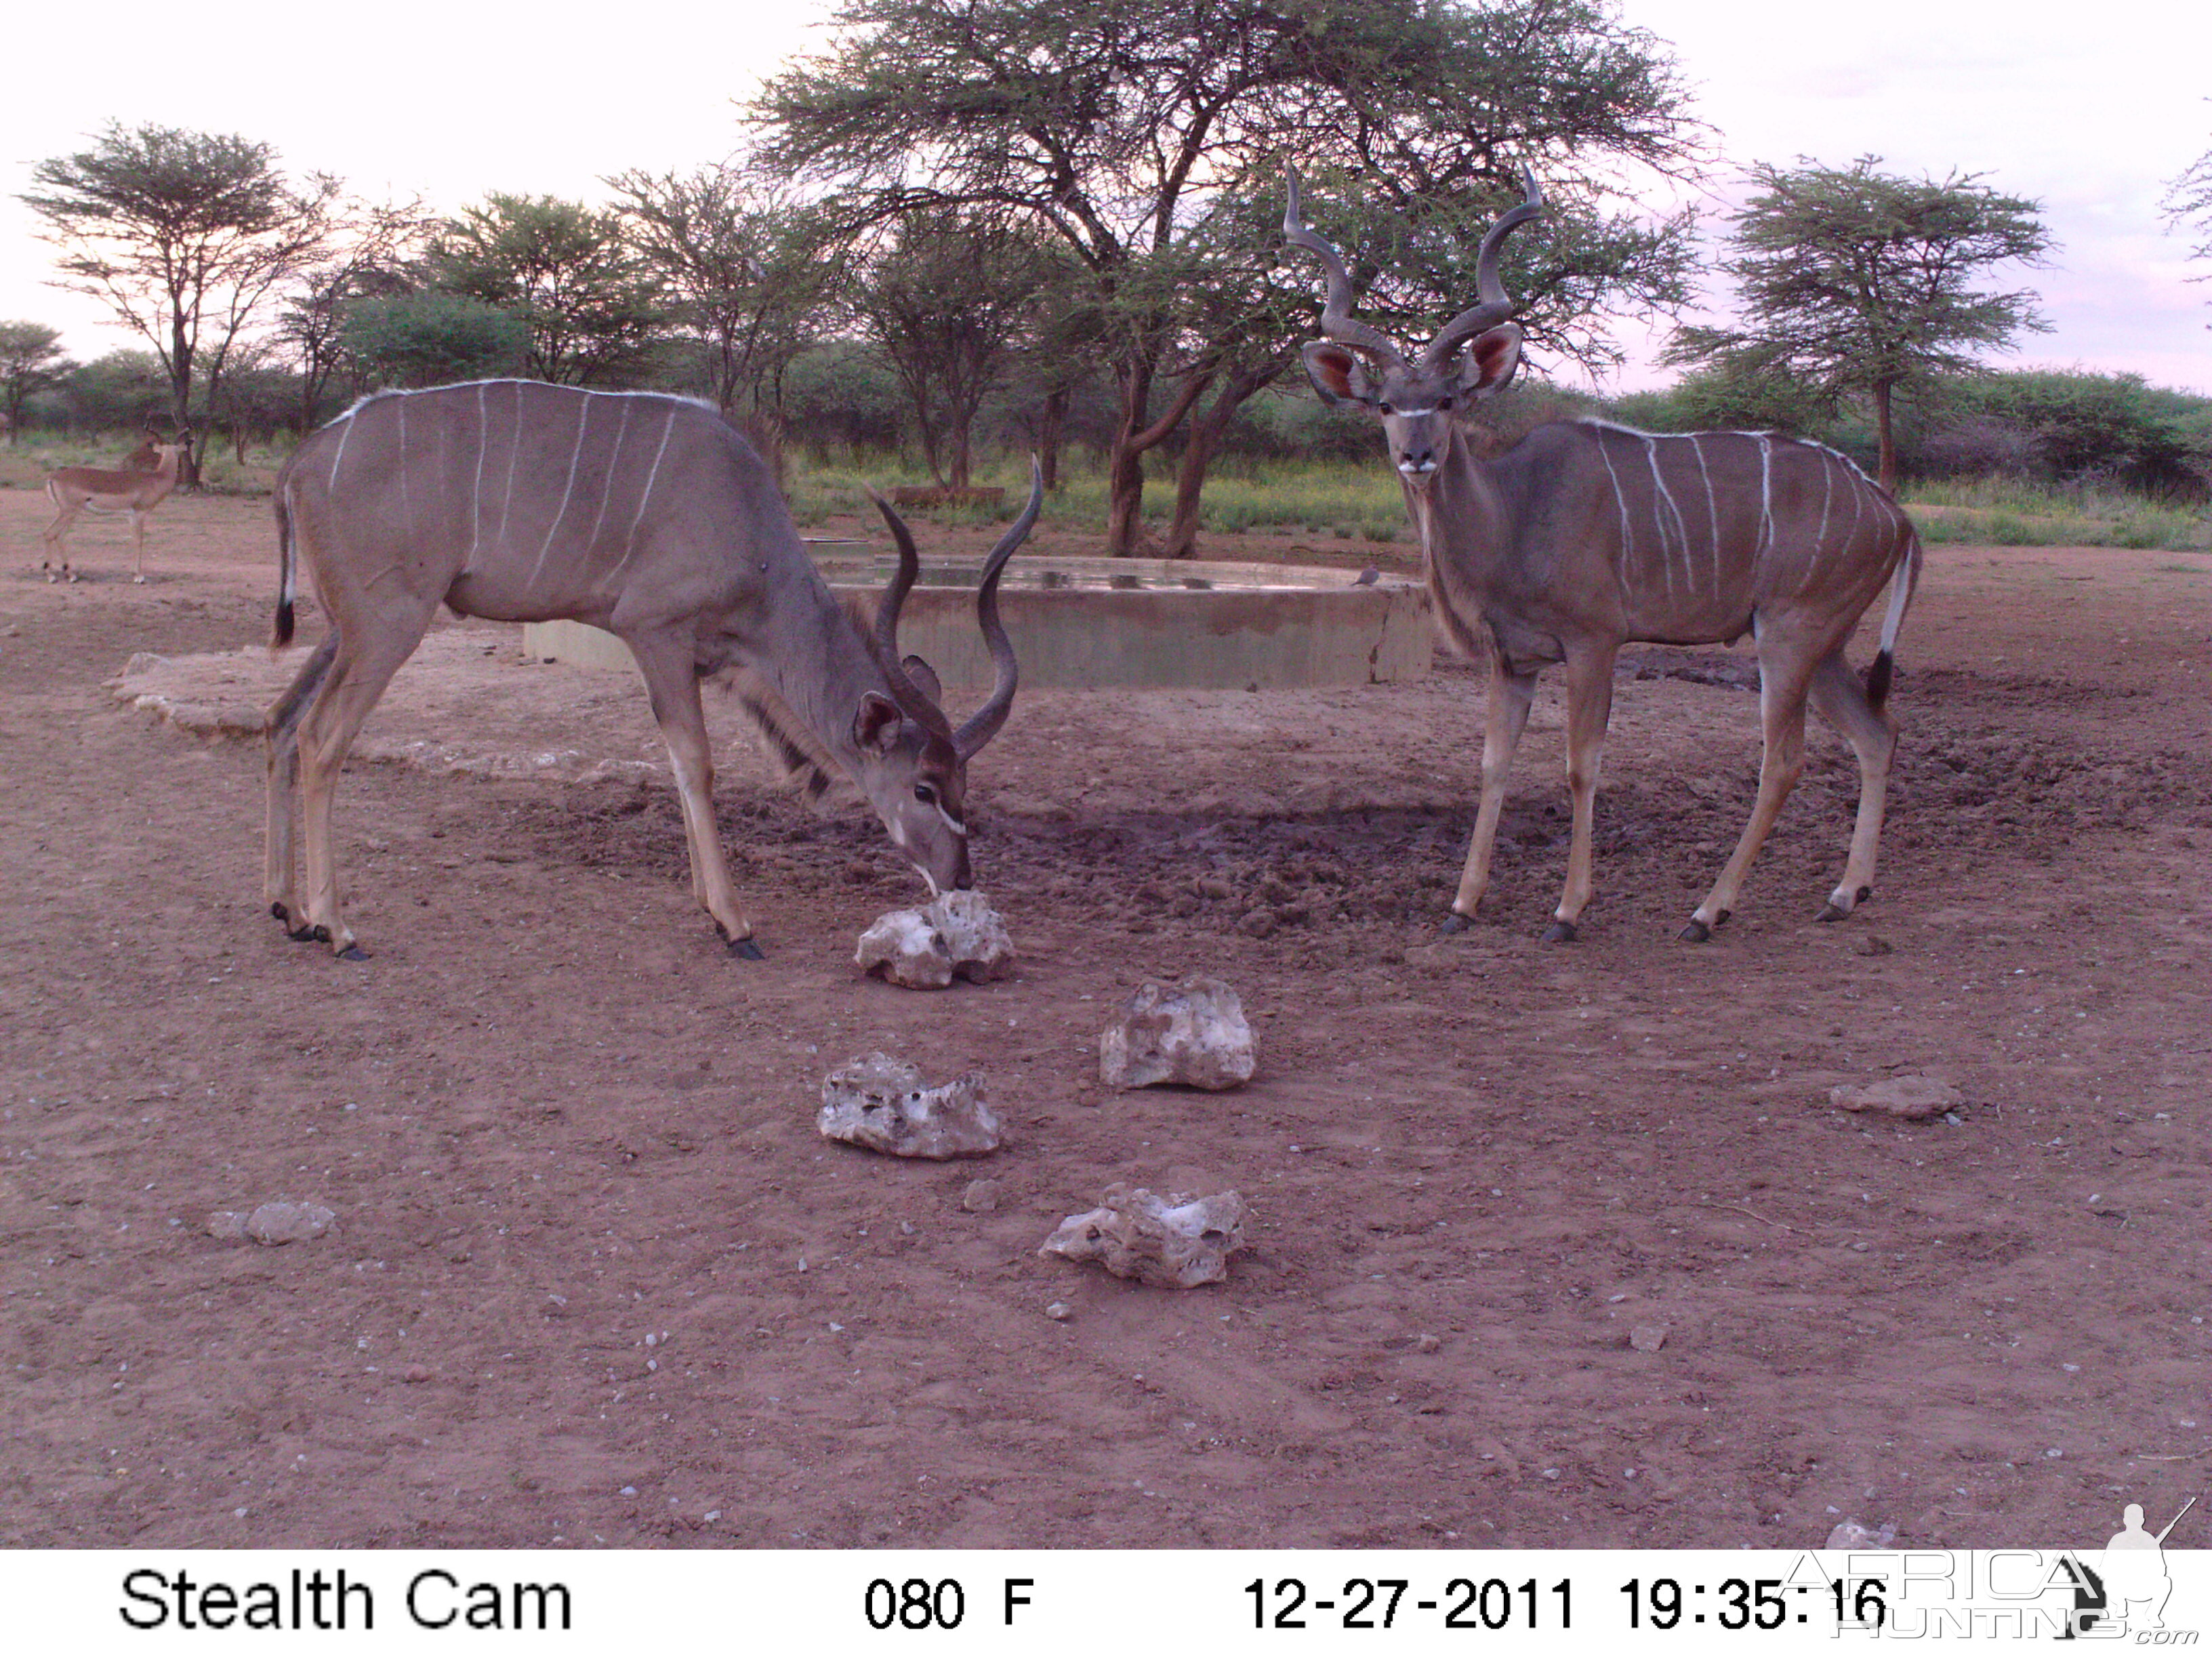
[(1096, 622)]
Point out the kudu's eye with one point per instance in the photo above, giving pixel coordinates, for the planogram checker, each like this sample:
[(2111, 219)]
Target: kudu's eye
[(1444, 402), (925, 794), (1386, 408)]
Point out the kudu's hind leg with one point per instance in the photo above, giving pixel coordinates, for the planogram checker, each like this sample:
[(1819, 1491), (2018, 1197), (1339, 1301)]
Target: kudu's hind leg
[(1873, 736), (673, 686), (1509, 696), (283, 729), (1782, 688), (356, 679), (1590, 707)]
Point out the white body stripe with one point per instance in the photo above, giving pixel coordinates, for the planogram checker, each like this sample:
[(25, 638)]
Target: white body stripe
[(339, 457), (630, 543), (1712, 509), (621, 432), (476, 499), (583, 420), (1627, 540)]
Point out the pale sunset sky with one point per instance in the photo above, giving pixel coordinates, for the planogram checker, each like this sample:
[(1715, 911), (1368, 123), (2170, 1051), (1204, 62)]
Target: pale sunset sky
[(2088, 111)]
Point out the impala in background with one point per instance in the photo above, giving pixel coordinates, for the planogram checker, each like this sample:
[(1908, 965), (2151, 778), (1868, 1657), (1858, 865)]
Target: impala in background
[(1586, 535), (142, 483), (646, 515)]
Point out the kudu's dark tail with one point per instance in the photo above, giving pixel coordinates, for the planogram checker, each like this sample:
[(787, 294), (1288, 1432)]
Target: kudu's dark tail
[(1901, 587), (288, 558)]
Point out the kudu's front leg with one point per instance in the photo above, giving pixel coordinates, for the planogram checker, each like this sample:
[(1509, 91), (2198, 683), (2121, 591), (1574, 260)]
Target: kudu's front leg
[(1507, 717), (673, 687), (1590, 707)]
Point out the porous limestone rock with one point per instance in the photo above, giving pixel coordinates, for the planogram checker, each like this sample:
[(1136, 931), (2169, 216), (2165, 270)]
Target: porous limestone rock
[(957, 935), (878, 1102), (1911, 1095), (1175, 1243), (281, 1223), (1194, 1034)]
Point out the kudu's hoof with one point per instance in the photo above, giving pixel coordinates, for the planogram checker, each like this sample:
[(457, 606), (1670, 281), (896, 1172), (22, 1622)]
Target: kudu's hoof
[(1455, 923), (1831, 912), (1696, 934), (353, 953), (279, 911), (319, 934), (745, 949), (301, 935), (1559, 933)]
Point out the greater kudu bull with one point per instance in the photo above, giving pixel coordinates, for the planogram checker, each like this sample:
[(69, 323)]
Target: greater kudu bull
[(649, 516), (1586, 535)]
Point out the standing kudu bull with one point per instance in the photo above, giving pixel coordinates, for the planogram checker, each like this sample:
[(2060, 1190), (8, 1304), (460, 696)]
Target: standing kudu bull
[(646, 515), (1584, 536)]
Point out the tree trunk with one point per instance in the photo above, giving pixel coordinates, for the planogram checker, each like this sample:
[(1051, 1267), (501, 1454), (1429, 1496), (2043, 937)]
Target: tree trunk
[(1125, 469), (1887, 465), (1206, 431), (1050, 425)]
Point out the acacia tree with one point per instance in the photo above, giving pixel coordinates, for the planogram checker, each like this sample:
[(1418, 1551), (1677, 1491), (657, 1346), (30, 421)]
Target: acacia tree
[(946, 305), (185, 236), (31, 360), (1123, 126), (2187, 206), (367, 260), (742, 276), (591, 307), (1855, 282)]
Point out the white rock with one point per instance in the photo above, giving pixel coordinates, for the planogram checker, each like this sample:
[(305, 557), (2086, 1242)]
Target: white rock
[(906, 949), (289, 1224), (1911, 1095), (982, 949), (1175, 1243), (1851, 1534), (878, 1102), (956, 935), (1194, 1034)]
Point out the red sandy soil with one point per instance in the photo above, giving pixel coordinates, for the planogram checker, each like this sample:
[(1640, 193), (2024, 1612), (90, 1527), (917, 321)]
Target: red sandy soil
[(595, 1278)]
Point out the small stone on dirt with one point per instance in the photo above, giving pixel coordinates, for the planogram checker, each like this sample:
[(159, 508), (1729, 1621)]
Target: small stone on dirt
[(1058, 1310), (1853, 1535), (956, 936), (879, 1103), (1428, 1342), (979, 1197), (1648, 1339), (1911, 1095), (279, 1223), (1195, 1034), (1175, 1243)]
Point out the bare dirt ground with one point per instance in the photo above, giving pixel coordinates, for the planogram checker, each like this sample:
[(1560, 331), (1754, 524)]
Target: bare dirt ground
[(595, 1278)]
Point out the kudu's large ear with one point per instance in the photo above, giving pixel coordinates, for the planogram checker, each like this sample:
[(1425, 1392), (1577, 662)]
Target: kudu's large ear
[(925, 679), (876, 724), (1338, 375), (1489, 362)]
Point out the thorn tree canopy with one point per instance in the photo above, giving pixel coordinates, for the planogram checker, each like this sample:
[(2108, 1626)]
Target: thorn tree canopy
[(1120, 125), (566, 272), (1854, 281), (31, 360), (185, 235)]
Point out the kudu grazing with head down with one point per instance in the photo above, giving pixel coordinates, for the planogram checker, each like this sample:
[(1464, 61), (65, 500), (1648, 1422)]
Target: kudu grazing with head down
[(135, 488), (646, 515), (1585, 535)]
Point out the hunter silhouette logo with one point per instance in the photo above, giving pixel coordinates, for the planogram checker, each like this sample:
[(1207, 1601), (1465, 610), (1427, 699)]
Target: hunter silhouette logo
[(2135, 1581)]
